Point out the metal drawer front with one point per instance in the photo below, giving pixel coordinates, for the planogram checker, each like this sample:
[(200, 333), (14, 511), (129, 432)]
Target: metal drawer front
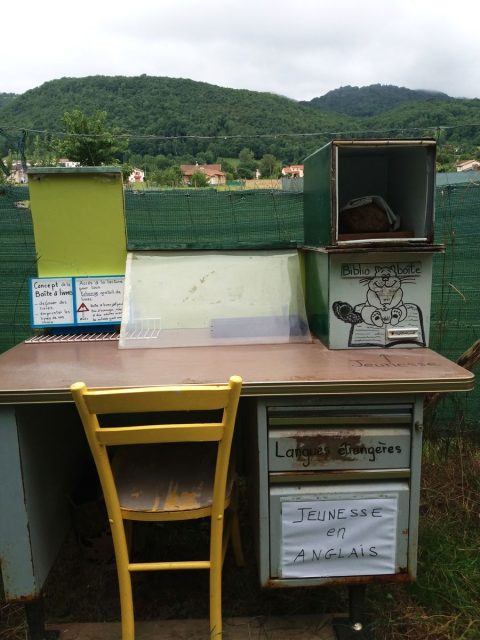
[(339, 532), (327, 438), (295, 450)]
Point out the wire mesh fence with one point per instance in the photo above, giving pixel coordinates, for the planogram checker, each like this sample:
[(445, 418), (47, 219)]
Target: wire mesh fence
[(210, 219), (455, 317), (17, 264)]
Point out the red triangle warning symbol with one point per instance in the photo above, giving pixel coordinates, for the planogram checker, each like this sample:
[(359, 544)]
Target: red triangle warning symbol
[(83, 307)]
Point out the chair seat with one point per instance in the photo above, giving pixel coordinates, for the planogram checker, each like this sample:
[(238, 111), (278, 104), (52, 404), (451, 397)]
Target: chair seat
[(166, 478)]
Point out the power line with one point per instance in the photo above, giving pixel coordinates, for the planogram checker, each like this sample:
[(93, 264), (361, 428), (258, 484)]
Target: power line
[(435, 129)]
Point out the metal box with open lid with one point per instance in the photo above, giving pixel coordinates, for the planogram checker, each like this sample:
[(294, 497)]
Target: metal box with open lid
[(367, 192)]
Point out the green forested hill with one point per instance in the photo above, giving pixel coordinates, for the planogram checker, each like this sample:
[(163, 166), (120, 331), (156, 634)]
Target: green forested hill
[(371, 100), (5, 98), (168, 107), (456, 114), (184, 119)]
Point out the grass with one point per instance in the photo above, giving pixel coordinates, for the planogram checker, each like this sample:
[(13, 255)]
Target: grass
[(444, 603)]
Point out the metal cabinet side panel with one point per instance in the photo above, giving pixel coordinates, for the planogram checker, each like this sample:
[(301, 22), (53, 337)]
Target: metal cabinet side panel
[(16, 562), (317, 293), (263, 531), (53, 451), (317, 197), (415, 485)]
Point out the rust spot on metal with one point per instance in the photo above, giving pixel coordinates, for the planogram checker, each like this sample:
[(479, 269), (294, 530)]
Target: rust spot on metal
[(401, 577), (322, 449), (31, 597)]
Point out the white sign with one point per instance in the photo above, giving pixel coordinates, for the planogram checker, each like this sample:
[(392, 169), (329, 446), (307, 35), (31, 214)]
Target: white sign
[(346, 537), (57, 302), (99, 300), (52, 301), (368, 270)]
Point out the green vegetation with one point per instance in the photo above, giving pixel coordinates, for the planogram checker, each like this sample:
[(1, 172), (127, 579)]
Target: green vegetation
[(158, 112), (169, 177), (247, 165), (170, 121), (443, 603), (5, 98), (371, 100), (88, 141), (199, 179)]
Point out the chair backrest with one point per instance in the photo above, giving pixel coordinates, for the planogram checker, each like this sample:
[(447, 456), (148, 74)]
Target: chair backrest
[(158, 400)]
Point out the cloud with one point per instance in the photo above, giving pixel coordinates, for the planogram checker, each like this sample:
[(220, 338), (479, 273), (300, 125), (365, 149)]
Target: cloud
[(301, 50)]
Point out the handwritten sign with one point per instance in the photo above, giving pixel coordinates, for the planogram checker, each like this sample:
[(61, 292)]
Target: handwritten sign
[(99, 300), (346, 537), (52, 301), (368, 270), (75, 301), (342, 448)]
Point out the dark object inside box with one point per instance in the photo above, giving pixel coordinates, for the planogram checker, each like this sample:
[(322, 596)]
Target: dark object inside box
[(369, 214)]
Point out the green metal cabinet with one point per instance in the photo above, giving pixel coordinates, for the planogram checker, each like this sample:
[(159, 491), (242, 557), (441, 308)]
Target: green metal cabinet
[(402, 172), (338, 486), (369, 216)]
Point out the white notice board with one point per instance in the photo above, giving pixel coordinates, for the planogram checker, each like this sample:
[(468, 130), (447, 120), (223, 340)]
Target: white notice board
[(76, 301), (345, 537)]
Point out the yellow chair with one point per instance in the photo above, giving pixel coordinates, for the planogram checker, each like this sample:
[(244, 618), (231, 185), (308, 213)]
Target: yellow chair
[(155, 481)]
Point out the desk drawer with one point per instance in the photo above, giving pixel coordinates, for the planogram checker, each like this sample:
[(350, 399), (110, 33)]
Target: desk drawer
[(348, 438), (348, 529), (296, 450)]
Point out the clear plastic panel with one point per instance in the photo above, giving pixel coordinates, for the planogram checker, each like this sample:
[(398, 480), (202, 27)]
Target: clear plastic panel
[(178, 299)]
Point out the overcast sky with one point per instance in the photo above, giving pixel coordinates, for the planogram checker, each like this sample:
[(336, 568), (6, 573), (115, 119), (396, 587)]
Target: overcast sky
[(297, 49)]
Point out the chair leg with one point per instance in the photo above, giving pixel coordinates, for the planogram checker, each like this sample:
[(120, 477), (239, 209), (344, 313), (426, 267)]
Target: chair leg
[(126, 604), (128, 524), (124, 579), (216, 562), (215, 604)]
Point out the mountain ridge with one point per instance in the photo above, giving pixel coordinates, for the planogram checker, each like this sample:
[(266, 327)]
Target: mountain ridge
[(178, 117), (372, 99)]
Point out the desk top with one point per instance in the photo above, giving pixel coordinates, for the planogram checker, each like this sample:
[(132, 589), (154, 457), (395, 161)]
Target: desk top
[(32, 373)]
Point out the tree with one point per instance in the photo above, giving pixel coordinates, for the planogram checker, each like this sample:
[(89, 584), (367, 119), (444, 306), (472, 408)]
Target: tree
[(199, 179), (247, 165), (126, 171), (171, 177), (88, 141), (41, 151), (228, 168), (269, 166)]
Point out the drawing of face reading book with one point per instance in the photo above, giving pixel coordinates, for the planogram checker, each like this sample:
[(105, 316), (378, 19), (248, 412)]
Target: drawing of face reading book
[(383, 306)]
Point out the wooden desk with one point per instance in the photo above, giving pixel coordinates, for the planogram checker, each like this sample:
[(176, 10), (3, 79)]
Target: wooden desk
[(39, 443)]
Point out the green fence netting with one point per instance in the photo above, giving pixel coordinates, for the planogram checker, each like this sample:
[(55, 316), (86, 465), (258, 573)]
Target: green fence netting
[(263, 219), (213, 220), (455, 317), (17, 264)]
